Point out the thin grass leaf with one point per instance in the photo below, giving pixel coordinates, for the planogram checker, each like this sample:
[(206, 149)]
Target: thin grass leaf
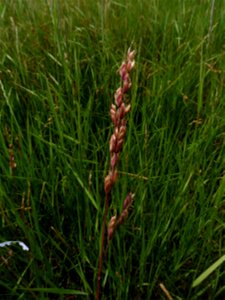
[(84, 188), (56, 291), (208, 271)]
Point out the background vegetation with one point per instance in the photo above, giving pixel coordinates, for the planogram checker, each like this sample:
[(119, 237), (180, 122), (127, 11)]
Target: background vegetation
[(58, 74)]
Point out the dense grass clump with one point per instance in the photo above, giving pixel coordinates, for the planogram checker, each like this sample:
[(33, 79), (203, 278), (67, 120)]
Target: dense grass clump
[(58, 64)]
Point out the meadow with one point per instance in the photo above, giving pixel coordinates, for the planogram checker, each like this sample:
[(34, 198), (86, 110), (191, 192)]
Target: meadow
[(59, 64)]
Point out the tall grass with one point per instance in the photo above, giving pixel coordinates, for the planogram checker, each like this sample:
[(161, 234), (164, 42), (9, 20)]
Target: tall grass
[(58, 63)]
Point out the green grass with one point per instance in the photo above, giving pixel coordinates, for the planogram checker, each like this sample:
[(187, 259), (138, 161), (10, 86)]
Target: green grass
[(58, 64)]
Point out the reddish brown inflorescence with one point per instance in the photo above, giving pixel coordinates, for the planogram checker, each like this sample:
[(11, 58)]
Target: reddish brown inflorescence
[(118, 112)]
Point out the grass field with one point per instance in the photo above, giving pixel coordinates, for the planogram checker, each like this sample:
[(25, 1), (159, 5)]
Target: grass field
[(58, 74)]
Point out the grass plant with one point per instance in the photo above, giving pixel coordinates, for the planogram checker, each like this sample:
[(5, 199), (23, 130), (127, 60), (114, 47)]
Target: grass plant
[(58, 63)]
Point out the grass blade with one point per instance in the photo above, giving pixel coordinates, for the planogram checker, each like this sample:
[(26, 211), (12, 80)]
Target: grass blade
[(208, 271)]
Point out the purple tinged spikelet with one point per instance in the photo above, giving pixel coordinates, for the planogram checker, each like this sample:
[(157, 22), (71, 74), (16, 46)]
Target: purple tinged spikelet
[(114, 176), (112, 143), (127, 109), (111, 227), (114, 159), (113, 113), (128, 201), (118, 96), (108, 184), (116, 221)]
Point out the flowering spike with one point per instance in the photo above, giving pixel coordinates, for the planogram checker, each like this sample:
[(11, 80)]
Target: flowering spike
[(118, 113)]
